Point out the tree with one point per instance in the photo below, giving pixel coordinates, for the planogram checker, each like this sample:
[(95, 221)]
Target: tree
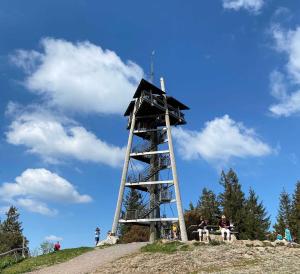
[(257, 222), (295, 218), (46, 247), (11, 232), (191, 217), (284, 216), (208, 206), (129, 232), (133, 200), (232, 201), (12, 223)]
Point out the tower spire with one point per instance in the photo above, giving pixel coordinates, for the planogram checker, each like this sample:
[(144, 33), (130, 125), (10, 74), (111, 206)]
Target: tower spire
[(152, 67)]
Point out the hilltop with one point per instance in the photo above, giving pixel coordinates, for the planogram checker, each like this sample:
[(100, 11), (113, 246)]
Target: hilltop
[(238, 257)]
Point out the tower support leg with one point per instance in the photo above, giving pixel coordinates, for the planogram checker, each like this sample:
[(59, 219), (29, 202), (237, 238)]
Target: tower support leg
[(124, 174), (154, 233), (174, 171)]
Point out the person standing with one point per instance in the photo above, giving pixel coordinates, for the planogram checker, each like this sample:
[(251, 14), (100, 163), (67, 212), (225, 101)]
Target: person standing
[(224, 226), (97, 236), (57, 246), (288, 234)]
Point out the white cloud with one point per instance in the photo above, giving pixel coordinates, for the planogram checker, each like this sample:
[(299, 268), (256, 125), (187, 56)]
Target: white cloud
[(4, 209), (35, 206), (79, 76), (281, 83), (55, 139), (36, 186), (220, 140), (250, 5), (53, 238)]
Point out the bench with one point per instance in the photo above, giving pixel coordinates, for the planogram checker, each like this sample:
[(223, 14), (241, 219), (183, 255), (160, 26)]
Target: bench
[(213, 230)]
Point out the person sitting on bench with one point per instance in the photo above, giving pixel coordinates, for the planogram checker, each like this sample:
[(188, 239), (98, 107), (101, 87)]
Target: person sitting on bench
[(224, 227), (203, 229), (175, 231)]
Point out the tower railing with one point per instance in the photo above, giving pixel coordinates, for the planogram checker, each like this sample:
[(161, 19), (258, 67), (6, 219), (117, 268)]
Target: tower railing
[(164, 196), (147, 146), (145, 175), (159, 102)]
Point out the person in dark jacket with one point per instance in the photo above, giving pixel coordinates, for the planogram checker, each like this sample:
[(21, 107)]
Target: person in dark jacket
[(203, 229), (224, 226), (97, 236)]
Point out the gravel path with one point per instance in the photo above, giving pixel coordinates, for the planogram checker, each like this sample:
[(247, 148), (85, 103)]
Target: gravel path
[(90, 261)]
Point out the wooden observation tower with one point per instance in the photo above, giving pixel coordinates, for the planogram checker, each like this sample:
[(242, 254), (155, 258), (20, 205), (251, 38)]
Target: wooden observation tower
[(151, 114)]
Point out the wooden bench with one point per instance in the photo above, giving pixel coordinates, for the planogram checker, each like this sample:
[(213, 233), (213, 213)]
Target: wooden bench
[(213, 230)]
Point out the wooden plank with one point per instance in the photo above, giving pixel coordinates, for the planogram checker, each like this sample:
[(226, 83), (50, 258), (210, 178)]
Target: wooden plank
[(150, 183), (150, 153), (149, 220)]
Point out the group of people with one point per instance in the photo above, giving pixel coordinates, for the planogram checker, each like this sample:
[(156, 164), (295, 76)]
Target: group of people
[(224, 226), (97, 236), (287, 235)]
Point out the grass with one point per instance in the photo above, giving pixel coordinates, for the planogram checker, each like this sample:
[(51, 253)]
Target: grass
[(170, 247), (38, 262), (214, 242), (9, 261), (185, 248), (241, 264), (198, 244)]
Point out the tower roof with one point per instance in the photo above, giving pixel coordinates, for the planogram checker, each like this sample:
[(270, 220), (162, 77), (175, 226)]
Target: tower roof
[(147, 86)]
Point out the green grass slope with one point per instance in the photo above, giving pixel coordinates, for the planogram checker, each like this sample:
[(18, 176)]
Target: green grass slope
[(42, 261)]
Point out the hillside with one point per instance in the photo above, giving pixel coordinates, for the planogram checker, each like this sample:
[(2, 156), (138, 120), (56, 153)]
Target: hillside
[(240, 257), (41, 261)]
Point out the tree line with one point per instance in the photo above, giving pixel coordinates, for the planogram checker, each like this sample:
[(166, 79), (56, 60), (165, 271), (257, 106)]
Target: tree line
[(246, 212)]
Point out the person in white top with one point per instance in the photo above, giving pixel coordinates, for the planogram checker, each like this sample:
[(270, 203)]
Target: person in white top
[(224, 226)]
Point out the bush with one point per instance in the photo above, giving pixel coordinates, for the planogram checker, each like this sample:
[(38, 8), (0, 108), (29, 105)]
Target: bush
[(136, 233)]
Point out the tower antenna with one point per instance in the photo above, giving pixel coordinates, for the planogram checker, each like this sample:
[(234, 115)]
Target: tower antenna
[(152, 67)]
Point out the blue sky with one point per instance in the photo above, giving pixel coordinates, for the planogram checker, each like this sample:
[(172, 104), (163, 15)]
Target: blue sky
[(69, 68)]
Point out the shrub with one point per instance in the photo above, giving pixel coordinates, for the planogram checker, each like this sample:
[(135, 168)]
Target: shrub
[(136, 233)]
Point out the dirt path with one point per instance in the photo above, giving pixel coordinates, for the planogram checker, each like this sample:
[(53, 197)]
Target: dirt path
[(90, 261)]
